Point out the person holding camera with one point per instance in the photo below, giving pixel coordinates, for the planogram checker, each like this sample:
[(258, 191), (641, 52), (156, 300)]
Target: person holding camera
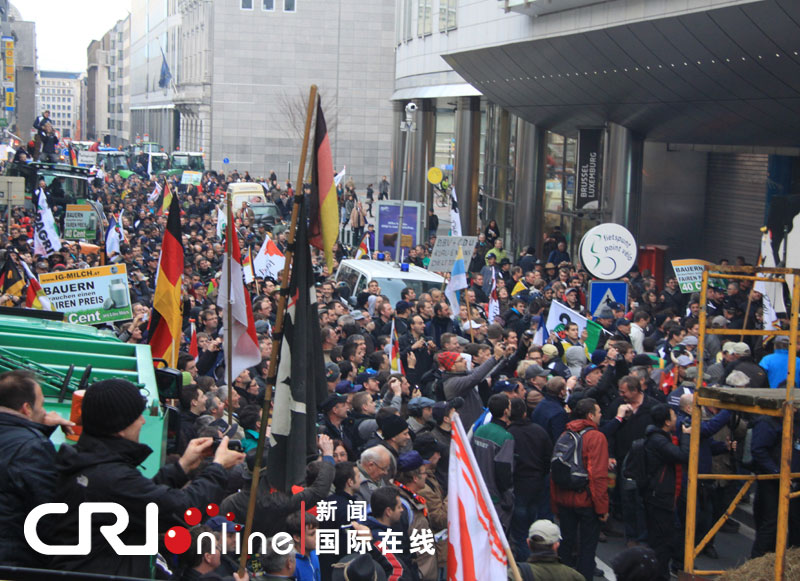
[(103, 467)]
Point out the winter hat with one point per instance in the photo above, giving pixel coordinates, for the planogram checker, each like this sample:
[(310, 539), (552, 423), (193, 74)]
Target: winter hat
[(391, 426), (635, 564), (448, 358), (110, 406)]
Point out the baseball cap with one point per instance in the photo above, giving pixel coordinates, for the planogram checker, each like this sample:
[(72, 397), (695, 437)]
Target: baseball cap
[(332, 372), (331, 401), (365, 375), (741, 348), (546, 530), (617, 306), (604, 313), (419, 403), (588, 369), (504, 386), (536, 371), (685, 360), (427, 445), (410, 461), (345, 387), (690, 340), (550, 350), (442, 408), (623, 322), (357, 315), (728, 346), (215, 524)]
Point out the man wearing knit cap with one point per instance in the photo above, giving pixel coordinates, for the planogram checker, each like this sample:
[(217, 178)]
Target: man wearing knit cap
[(393, 434), (103, 467)]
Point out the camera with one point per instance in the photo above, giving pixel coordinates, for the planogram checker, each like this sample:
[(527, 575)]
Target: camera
[(530, 333), (411, 108), (235, 445)]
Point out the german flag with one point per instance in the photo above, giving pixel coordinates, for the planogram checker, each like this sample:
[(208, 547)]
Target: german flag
[(166, 202), (12, 282), (164, 332), (324, 211)]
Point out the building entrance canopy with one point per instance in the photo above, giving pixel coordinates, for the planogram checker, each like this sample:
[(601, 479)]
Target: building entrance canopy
[(729, 76)]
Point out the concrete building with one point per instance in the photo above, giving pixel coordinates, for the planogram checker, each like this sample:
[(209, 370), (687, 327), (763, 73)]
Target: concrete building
[(154, 33), (245, 68), (685, 109), (108, 86), (22, 35), (60, 93)]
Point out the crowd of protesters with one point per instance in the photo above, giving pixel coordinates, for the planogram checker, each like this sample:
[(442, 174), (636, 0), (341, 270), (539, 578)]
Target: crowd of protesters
[(385, 435)]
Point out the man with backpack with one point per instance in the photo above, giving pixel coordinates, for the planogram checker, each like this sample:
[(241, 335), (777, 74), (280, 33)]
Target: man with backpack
[(579, 486), (657, 484)]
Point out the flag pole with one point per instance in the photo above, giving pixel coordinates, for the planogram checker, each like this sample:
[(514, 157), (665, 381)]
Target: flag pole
[(277, 329), (229, 307), (469, 316)]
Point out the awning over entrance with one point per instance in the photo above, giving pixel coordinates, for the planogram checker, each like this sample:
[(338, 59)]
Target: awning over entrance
[(729, 76)]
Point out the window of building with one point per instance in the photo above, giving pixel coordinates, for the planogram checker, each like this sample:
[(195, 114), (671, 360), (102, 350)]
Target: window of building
[(424, 16), (407, 6), (247, 4), (289, 5), (268, 5), (447, 15)]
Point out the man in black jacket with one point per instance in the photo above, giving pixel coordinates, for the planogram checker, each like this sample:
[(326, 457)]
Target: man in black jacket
[(102, 467), (532, 451), (659, 496), (28, 459)]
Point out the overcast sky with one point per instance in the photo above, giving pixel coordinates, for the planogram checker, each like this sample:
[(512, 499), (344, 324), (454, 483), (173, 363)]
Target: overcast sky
[(64, 28)]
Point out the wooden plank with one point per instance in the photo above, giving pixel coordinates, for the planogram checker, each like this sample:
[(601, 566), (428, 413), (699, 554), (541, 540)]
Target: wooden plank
[(771, 399)]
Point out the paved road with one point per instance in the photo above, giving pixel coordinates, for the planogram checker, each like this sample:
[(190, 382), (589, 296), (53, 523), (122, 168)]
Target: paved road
[(733, 549)]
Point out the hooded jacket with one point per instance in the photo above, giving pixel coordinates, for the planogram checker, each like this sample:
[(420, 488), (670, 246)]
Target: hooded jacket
[(662, 456), (595, 460), (104, 469)]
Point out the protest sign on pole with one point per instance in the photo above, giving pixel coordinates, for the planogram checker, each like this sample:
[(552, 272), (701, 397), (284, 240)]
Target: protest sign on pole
[(689, 272), (446, 250), (193, 178), (91, 295), (80, 222)]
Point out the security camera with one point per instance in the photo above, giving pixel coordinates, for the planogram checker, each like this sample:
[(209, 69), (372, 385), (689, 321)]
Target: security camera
[(411, 108)]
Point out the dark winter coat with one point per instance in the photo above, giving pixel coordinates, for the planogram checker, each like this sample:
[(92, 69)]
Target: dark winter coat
[(99, 469), (661, 457), (27, 466)]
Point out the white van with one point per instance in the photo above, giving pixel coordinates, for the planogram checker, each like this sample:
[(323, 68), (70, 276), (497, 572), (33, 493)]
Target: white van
[(243, 193), (356, 274)]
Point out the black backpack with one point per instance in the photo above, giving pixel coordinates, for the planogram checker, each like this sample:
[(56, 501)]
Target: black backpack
[(634, 467), (566, 467)]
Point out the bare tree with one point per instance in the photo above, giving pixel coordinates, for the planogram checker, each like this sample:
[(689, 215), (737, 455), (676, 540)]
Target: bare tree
[(293, 107)]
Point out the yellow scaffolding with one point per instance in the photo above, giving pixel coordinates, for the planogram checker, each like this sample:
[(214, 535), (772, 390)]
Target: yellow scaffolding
[(764, 401)]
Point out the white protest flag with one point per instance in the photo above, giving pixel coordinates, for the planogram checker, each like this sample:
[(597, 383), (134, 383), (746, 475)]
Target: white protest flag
[(153, 197), (45, 237), (269, 261), (455, 216), (113, 237), (772, 291), (337, 179), (149, 164), (222, 223), (476, 541), (561, 315)]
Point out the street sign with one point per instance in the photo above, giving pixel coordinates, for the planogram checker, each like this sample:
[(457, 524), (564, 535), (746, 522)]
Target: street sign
[(446, 249), (88, 158), (10, 98), (387, 221), (689, 272), (603, 293), (435, 175)]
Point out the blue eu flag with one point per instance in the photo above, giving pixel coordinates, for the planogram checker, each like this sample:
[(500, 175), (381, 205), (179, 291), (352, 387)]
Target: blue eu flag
[(166, 76)]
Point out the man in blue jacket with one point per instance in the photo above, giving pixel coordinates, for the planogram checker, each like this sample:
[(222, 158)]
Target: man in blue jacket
[(777, 364), (27, 457)]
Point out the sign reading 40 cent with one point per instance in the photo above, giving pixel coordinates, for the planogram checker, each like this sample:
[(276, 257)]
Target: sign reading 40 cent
[(608, 251)]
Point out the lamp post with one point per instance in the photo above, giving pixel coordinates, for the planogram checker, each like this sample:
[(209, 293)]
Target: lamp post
[(408, 126)]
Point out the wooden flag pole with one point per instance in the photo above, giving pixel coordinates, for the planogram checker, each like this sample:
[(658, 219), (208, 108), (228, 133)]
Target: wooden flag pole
[(469, 316), (230, 231), (277, 331)]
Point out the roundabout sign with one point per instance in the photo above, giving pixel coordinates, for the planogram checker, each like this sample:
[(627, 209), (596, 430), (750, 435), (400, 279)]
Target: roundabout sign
[(608, 251)]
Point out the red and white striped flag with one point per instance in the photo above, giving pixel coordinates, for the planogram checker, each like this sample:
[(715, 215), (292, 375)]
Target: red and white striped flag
[(193, 349), (396, 364), (476, 541), (246, 352)]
